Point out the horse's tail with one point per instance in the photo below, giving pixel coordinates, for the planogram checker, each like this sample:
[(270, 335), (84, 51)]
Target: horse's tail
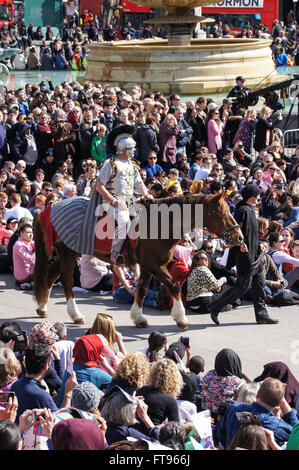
[(40, 276)]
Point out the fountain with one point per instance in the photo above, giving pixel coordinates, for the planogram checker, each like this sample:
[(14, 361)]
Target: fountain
[(181, 64)]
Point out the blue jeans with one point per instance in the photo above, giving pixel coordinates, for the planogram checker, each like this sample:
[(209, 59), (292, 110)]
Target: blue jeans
[(122, 296)]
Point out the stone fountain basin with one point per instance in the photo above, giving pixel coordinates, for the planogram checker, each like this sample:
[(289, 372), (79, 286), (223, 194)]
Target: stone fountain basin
[(203, 66)]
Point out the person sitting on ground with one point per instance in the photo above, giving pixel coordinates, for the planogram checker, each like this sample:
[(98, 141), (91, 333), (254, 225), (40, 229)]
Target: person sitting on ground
[(24, 258), (270, 402), (95, 274), (120, 410), (10, 369), (104, 327), (29, 390), (157, 343), (279, 370), (87, 352), (161, 391), (196, 364), (220, 384), (251, 436), (201, 283), (131, 373), (64, 347)]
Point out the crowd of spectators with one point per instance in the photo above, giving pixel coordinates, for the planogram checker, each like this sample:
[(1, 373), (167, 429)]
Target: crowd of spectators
[(52, 140), (92, 394)]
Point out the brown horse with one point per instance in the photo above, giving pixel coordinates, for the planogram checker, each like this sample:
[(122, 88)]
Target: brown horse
[(152, 254)]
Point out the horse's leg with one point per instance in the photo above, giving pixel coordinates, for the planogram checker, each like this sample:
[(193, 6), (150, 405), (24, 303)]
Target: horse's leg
[(68, 260), (178, 310), (53, 275), (136, 310)]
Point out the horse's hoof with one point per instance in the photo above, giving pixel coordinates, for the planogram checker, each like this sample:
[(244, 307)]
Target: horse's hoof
[(80, 321), (142, 324), (42, 313), (183, 326)]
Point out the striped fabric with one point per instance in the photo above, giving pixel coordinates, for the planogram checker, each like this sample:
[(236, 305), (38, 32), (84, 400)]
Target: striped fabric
[(68, 219)]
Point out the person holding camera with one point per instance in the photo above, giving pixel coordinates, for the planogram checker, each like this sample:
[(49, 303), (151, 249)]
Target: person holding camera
[(30, 390), (240, 155)]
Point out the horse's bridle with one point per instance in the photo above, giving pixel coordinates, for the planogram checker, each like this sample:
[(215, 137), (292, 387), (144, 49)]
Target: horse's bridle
[(226, 235)]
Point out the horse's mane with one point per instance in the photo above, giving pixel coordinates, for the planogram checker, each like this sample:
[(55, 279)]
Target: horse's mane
[(180, 200)]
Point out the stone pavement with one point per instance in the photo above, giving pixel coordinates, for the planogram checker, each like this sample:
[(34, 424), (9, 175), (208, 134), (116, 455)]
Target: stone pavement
[(255, 344)]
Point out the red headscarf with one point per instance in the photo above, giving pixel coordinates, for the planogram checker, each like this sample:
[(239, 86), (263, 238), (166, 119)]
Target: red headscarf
[(77, 434), (87, 350)]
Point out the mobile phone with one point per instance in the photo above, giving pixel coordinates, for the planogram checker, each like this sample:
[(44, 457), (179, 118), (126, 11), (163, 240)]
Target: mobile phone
[(185, 340), (4, 396)]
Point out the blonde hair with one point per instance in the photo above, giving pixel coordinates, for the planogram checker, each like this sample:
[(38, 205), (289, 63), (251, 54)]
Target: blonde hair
[(134, 368), (101, 127), (10, 367), (293, 187), (265, 110), (59, 183), (104, 325), (40, 198), (165, 375), (196, 186)]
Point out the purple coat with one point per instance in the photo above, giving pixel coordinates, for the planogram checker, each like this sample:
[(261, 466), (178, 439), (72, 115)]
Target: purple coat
[(167, 142)]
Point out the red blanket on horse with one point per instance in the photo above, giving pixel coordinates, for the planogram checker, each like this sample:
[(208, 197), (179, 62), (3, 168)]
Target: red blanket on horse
[(103, 236)]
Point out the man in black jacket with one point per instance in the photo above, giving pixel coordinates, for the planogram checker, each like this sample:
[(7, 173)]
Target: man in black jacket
[(248, 260)]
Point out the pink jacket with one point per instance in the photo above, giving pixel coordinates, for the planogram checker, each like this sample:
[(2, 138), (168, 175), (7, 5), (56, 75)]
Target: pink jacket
[(215, 132), (23, 259)]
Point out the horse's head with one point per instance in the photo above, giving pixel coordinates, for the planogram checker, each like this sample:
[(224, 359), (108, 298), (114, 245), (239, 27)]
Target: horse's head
[(221, 222)]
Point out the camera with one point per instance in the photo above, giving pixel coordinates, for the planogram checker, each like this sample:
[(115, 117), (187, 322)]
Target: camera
[(37, 415), (185, 340)]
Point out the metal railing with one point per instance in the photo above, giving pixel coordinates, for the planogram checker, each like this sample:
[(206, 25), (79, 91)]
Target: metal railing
[(290, 140)]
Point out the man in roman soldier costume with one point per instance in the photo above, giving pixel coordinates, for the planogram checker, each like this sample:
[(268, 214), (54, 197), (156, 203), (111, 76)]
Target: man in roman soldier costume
[(118, 181)]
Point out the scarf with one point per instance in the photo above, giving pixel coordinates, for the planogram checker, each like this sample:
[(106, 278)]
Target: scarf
[(279, 370), (87, 350), (228, 363)]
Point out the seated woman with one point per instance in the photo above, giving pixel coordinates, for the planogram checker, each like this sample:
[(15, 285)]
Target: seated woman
[(87, 352), (131, 373), (119, 411), (279, 257), (103, 326), (221, 383), (161, 391), (201, 283)]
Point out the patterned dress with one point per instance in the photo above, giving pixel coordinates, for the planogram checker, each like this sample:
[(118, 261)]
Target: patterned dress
[(216, 390)]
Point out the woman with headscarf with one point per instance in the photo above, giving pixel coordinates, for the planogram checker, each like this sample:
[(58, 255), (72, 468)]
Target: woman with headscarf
[(221, 384), (77, 434), (279, 370), (87, 352)]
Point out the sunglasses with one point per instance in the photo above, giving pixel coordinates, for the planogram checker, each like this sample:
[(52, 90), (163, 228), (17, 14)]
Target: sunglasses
[(152, 158), (48, 190)]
